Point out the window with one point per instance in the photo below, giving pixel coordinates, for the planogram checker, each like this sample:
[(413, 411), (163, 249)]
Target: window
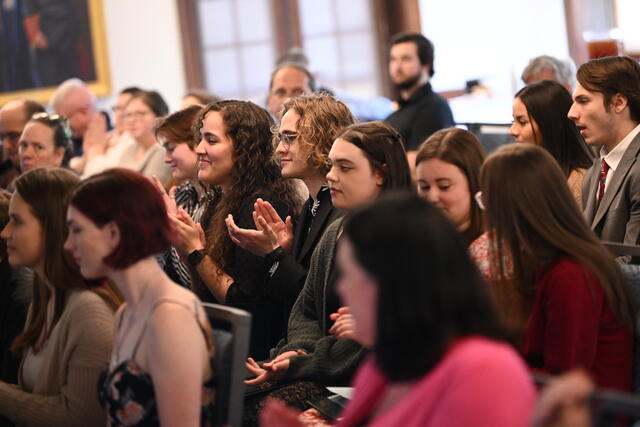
[(238, 50)]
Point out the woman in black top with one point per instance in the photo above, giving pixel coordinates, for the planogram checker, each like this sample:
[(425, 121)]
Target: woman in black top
[(235, 153)]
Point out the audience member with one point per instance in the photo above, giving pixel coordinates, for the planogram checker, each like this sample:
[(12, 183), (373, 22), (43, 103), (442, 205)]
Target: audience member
[(73, 100), (69, 333), (438, 352), (143, 154), (545, 67), (606, 110), (540, 117), (566, 294), (176, 133), (236, 153), (306, 132), (103, 149), (161, 369), (198, 97), (366, 159), (448, 171), (421, 111), (45, 142), (287, 81), (14, 298), (13, 117)]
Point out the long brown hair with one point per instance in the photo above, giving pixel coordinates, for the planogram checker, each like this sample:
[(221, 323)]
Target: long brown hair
[(463, 150), (535, 219), (255, 171), (47, 191)]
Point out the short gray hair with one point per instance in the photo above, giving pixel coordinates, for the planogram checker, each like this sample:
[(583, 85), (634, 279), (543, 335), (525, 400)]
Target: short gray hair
[(65, 88), (564, 70)]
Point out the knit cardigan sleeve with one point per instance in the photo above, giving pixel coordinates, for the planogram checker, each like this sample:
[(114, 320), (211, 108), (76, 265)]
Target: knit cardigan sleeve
[(329, 360), (65, 394)]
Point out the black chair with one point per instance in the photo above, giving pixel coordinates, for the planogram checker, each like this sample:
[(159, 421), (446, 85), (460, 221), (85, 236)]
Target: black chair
[(231, 330), (632, 274), (611, 408)]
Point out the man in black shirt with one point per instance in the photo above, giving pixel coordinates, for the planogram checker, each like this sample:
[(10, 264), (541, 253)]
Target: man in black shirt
[(421, 111)]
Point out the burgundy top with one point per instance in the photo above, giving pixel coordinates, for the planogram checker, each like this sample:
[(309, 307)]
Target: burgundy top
[(572, 325)]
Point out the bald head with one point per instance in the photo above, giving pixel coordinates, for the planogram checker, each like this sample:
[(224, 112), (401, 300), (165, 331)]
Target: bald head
[(13, 118), (73, 100), (287, 82)]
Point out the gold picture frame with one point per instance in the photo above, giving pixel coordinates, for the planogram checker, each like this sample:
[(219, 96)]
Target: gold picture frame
[(101, 86)]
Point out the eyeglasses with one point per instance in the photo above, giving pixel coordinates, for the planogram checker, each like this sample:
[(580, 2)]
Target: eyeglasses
[(478, 198), (285, 138)]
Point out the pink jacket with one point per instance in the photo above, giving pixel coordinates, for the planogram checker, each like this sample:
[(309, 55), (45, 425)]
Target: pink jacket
[(479, 382)]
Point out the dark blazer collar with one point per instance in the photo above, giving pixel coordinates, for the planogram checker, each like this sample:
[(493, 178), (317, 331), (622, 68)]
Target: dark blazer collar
[(628, 159), (301, 247)]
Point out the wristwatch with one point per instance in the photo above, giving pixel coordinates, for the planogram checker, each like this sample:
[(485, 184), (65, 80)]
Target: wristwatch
[(195, 257), (275, 255)]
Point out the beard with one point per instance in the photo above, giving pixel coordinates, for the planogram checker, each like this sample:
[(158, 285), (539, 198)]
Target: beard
[(408, 82)]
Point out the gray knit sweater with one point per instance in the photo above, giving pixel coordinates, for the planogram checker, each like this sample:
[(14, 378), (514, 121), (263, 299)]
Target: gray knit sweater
[(329, 361)]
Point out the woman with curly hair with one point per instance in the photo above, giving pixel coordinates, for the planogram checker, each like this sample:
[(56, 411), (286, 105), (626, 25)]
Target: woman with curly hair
[(303, 139), (235, 153), (367, 160)]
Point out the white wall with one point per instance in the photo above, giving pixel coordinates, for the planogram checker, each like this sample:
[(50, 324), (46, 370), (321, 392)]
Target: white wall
[(491, 40), (144, 45)]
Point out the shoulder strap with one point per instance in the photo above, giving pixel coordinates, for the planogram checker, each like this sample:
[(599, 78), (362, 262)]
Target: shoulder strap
[(193, 310)]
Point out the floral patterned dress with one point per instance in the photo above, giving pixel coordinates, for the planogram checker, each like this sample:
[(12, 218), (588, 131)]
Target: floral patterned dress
[(126, 392)]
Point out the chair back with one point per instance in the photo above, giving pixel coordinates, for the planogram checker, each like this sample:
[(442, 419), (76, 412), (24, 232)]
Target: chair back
[(231, 329), (612, 408), (632, 273)]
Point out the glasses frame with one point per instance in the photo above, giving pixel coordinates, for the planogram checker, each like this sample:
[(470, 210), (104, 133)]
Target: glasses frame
[(287, 139)]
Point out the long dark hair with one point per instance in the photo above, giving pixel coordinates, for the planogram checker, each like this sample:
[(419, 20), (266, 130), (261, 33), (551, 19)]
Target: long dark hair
[(255, 171), (47, 191), (429, 292), (547, 104), (536, 221)]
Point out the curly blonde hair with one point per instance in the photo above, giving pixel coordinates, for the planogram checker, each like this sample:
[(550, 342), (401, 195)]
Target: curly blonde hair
[(322, 117)]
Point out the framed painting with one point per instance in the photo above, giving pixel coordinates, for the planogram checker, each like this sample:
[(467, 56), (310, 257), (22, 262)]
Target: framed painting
[(45, 42)]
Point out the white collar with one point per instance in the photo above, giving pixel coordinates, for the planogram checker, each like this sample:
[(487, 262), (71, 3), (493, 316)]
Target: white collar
[(614, 156)]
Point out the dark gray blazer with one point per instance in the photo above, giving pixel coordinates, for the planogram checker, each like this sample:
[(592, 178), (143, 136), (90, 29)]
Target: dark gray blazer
[(617, 218)]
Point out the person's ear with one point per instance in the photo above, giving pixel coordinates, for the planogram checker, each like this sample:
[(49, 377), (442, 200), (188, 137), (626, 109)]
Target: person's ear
[(112, 233), (619, 102), (58, 156), (380, 175)]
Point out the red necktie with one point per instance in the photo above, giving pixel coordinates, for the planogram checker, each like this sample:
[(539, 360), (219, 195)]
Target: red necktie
[(603, 179)]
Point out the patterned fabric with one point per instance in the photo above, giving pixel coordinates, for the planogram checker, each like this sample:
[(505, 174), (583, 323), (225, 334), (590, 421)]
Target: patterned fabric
[(296, 395), (484, 254), (604, 170), (126, 392), (130, 398), (187, 197)]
